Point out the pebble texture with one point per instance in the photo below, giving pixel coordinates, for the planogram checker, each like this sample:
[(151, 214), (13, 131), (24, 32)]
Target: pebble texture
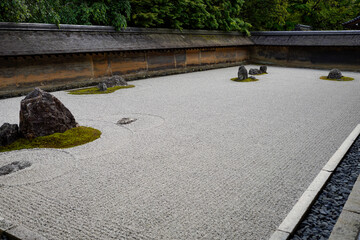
[(207, 158), (323, 215)]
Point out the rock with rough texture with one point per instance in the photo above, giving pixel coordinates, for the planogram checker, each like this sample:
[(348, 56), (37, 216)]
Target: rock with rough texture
[(263, 69), (126, 121), (335, 74), (14, 167), (242, 73), (102, 86), (9, 133), (115, 80), (42, 114), (254, 71)]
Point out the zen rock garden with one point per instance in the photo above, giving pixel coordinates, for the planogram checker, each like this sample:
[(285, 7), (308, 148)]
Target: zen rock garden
[(42, 114), (243, 75), (109, 85)]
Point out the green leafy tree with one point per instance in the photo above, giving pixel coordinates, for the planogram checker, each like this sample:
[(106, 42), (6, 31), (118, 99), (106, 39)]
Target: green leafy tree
[(265, 14), (322, 14), (84, 12), (188, 14)]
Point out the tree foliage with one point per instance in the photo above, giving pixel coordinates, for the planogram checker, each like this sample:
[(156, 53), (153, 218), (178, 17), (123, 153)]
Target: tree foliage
[(285, 14), (226, 15), (322, 14), (83, 12), (189, 14), (266, 15)]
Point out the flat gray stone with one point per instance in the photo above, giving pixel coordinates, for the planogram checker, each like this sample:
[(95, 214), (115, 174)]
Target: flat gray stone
[(347, 226), (353, 202)]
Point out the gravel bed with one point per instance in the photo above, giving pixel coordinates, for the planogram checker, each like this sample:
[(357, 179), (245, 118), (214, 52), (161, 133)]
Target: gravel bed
[(323, 215)]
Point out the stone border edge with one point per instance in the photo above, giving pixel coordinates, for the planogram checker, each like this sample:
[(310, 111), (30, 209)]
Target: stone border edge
[(292, 220), (17, 232)]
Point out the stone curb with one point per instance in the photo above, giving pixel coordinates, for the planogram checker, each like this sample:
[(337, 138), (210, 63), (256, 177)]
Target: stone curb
[(17, 232), (289, 224), (348, 224)]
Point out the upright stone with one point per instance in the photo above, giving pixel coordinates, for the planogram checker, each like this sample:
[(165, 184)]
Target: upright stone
[(42, 114), (9, 133), (242, 73), (263, 69), (102, 86), (335, 74)]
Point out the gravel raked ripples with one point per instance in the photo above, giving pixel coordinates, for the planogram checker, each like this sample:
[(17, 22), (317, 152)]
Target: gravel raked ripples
[(323, 215)]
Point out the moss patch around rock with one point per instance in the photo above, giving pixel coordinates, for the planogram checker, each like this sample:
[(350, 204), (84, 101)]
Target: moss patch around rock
[(340, 80), (95, 90), (245, 80), (71, 138)]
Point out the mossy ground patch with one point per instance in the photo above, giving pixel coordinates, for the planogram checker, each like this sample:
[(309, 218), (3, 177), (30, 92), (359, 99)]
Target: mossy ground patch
[(245, 80), (71, 138), (342, 79), (95, 90)]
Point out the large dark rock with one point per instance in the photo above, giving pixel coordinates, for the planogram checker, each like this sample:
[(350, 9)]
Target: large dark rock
[(42, 114), (242, 73), (254, 71), (9, 133), (335, 74)]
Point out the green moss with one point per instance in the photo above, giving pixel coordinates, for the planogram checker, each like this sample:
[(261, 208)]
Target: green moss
[(342, 79), (95, 90), (71, 138), (245, 80)]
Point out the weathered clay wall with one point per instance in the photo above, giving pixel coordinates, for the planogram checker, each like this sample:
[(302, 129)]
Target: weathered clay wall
[(344, 58), (18, 75), (311, 49), (73, 56)]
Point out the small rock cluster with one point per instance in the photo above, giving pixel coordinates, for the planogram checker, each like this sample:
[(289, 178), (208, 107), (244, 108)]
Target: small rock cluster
[(113, 81), (41, 114), (335, 74), (254, 71), (323, 215), (243, 74)]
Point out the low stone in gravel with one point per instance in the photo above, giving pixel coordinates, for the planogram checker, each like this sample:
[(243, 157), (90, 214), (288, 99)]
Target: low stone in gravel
[(126, 121), (254, 71), (115, 80), (263, 69), (335, 74), (14, 167)]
